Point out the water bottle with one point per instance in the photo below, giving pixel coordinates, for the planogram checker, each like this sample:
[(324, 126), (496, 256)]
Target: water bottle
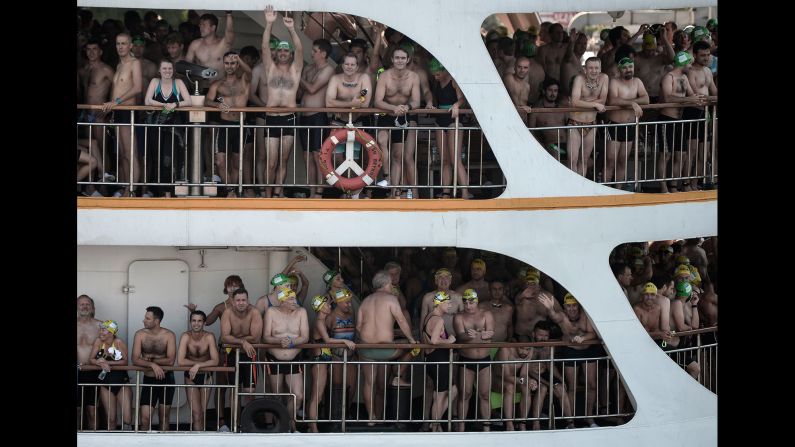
[(409, 194), (102, 374)]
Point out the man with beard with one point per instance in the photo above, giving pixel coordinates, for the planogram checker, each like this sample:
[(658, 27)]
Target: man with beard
[(554, 141), (197, 349), (623, 90), (286, 324), (284, 77)]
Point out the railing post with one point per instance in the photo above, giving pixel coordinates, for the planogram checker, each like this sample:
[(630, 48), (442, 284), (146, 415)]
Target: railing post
[(196, 160), (449, 390), (456, 158), (712, 143), (344, 386), (240, 158), (235, 396), (136, 401), (637, 135), (132, 150), (551, 386)]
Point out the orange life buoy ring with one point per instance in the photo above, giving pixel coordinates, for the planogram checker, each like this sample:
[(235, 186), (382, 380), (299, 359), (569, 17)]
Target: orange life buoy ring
[(364, 176)]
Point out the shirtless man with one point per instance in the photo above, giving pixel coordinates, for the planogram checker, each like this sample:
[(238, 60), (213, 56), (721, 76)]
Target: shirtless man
[(345, 90), (287, 325), (618, 36), (589, 91), (154, 347), (442, 279), (554, 141), (242, 325), (314, 81), (576, 328), (701, 81), (650, 65), (477, 272), (538, 376), (501, 309), (651, 316), (517, 86), (571, 65), (232, 91), (397, 90), (209, 50), (474, 325), (175, 48), (127, 85), (284, 76), (329, 26), (551, 55), (374, 324), (231, 283), (197, 349), (529, 308), (96, 77), (624, 90), (675, 89), (87, 332)]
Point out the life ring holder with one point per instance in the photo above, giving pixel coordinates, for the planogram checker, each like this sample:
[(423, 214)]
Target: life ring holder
[(364, 177)]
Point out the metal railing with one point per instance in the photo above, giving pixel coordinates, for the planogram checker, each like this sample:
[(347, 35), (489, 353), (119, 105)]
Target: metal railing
[(183, 157)]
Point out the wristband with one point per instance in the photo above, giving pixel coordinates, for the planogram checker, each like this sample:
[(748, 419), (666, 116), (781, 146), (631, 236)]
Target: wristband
[(118, 101)]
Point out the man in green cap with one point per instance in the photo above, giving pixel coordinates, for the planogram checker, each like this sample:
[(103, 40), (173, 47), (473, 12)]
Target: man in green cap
[(684, 317), (675, 89)]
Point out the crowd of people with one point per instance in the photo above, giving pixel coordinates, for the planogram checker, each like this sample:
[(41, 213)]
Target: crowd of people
[(430, 296), (137, 63)]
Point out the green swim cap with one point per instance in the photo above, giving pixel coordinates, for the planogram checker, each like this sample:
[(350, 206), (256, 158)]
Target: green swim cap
[(273, 42), (435, 66), (280, 279), (699, 33), (625, 61), (683, 288), (712, 24), (408, 48), (329, 276), (528, 49), (682, 59)]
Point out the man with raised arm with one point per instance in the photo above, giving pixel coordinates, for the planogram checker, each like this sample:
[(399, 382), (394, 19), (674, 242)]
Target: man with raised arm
[(284, 76), (589, 90), (210, 48), (154, 347), (232, 91), (197, 349), (397, 90), (374, 324), (127, 85), (529, 309), (288, 325), (576, 328), (242, 325), (314, 81)]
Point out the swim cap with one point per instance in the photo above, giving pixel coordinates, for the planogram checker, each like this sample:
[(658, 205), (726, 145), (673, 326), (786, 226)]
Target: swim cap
[(699, 33), (273, 42), (532, 276), (279, 280), (292, 279), (682, 269), (329, 276), (284, 45), (528, 49), (440, 297), (621, 64), (649, 288), (637, 252), (285, 294), (470, 295), (604, 34), (318, 301), (342, 295), (649, 42), (682, 59), (138, 40), (111, 326), (442, 272), (683, 260), (683, 288), (449, 251), (712, 24), (435, 66), (569, 299)]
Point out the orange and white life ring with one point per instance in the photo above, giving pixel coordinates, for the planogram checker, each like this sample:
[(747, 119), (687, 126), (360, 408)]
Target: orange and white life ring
[(364, 177)]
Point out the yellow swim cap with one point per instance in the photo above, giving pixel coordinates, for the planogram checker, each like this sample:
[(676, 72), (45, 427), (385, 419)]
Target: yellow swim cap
[(682, 269), (683, 260), (533, 276), (443, 272), (649, 288), (470, 295), (649, 42), (569, 299), (111, 326), (440, 297), (318, 301), (479, 262), (342, 295), (285, 294)]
